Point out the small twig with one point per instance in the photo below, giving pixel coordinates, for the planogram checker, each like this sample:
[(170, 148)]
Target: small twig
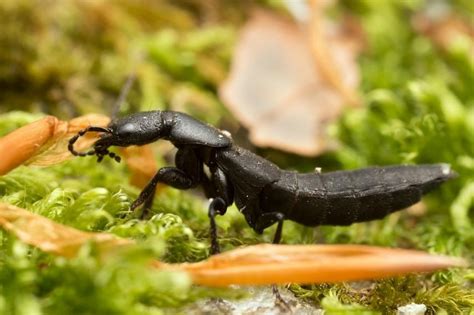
[(123, 94)]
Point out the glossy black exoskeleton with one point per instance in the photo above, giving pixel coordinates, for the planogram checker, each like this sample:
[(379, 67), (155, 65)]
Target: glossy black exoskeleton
[(264, 193)]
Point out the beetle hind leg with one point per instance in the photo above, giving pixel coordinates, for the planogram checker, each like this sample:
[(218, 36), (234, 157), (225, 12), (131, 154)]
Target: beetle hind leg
[(277, 236), (265, 220)]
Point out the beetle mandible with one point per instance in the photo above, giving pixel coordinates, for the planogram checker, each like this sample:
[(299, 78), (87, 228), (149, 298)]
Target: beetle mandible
[(264, 193)]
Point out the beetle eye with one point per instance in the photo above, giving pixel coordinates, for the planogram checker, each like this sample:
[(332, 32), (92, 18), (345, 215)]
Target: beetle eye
[(126, 130)]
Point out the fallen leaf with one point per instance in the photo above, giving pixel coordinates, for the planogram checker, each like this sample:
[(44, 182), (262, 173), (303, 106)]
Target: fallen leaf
[(44, 143), (335, 48), (252, 265), (20, 145), (285, 85), (50, 236), (55, 149)]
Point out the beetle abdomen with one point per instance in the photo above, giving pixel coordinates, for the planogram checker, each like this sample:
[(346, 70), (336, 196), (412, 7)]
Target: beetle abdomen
[(346, 197), (249, 174)]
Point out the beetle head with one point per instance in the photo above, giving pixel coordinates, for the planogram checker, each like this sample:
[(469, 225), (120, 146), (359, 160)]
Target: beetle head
[(136, 129)]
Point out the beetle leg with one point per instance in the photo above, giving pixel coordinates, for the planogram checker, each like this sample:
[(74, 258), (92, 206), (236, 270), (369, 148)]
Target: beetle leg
[(171, 176), (267, 219), (279, 300), (147, 205), (186, 159), (222, 186), (277, 236), (264, 221), (224, 196), (217, 206), (186, 174)]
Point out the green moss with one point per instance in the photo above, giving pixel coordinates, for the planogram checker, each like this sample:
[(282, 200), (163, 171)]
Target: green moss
[(419, 109), (385, 296)]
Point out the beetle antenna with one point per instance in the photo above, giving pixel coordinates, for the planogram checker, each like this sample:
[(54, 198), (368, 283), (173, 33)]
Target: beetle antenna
[(82, 133), (114, 156)]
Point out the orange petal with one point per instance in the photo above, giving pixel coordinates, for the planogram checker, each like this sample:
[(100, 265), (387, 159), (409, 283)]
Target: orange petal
[(44, 142), (304, 264)]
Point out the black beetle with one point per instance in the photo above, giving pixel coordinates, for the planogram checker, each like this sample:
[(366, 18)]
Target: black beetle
[(264, 193)]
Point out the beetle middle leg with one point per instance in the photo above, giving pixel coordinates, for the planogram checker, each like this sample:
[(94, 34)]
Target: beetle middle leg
[(223, 196), (217, 206)]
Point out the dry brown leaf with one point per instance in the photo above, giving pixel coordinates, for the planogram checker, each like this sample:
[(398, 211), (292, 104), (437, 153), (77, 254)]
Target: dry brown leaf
[(44, 142), (18, 146), (253, 265), (50, 236), (335, 54), (55, 150), (277, 89)]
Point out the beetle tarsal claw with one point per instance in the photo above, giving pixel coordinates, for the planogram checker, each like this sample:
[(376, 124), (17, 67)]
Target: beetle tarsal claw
[(99, 151), (114, 156)]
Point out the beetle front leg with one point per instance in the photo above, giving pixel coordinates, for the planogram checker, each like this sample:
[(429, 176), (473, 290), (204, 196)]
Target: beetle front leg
[(171, 176), (147, 205)]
